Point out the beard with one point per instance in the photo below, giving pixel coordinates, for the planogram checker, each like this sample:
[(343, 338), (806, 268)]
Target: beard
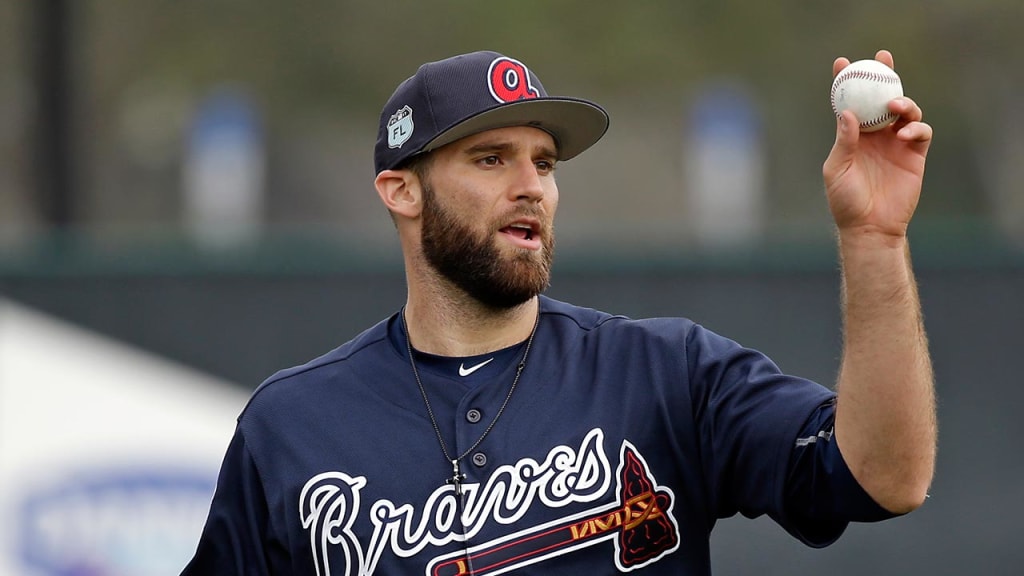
[(476, 265)]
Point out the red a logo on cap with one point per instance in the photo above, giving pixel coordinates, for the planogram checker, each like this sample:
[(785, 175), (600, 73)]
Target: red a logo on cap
[(509, 81)]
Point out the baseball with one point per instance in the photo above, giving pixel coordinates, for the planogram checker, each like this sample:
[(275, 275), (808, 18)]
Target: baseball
[(865, 87)]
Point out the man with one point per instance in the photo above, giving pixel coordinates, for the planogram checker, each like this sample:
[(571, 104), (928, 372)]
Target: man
[(486, 429)]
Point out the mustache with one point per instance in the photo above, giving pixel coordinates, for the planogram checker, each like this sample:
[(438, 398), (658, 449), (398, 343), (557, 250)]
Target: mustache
[(532, 212)]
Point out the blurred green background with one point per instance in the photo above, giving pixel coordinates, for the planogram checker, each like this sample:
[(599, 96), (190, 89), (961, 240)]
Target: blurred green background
[(134, 74), (104, 221)]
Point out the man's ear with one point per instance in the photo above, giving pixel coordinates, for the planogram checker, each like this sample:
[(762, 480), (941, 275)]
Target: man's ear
[(401, 192)]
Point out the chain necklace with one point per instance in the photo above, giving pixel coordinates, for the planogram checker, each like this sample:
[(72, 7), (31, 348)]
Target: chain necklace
[(457, 476)]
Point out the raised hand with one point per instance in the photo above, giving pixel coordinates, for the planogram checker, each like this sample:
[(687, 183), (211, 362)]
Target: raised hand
[(873, 180)]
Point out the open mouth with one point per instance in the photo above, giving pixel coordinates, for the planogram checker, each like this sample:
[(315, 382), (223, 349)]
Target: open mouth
[(520, 230)]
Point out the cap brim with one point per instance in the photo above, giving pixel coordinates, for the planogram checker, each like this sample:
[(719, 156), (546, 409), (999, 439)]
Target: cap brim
[(574, 124)]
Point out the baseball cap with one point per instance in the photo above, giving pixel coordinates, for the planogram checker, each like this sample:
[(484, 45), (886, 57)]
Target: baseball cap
[(470, 93)]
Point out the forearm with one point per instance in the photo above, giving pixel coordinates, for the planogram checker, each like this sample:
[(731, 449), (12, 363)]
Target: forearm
[(885, 416)]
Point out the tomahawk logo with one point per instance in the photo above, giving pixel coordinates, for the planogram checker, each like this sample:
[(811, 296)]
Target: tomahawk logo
[(509, 81), (639, 521)]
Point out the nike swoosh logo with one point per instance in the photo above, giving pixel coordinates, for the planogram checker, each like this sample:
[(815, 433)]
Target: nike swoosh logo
[(463, 371)]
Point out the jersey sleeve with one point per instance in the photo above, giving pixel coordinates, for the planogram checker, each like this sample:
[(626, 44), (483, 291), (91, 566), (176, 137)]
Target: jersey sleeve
[(235, 540), (748, 416), (822, 495)]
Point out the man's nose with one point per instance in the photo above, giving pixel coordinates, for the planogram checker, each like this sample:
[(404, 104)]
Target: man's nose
[(528, 184)]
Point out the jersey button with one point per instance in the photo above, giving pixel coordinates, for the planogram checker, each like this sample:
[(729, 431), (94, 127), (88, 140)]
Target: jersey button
[(474, 415), (480, 459)]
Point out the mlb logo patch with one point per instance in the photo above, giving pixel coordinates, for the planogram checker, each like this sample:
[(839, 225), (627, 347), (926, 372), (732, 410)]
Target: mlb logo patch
[(400, 127)]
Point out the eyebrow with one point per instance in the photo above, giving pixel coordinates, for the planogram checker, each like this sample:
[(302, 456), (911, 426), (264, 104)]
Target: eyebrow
[(502, 146)]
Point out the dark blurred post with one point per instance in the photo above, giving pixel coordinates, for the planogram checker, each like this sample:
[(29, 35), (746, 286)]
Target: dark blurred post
[(54, 96)]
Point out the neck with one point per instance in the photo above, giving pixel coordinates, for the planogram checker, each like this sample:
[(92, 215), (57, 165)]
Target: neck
[(453, 324)]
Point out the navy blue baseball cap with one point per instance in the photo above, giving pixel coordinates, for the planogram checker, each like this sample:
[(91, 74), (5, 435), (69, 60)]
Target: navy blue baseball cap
[(470, 93)]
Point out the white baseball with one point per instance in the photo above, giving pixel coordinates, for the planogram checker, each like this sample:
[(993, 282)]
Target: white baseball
[(865, 87)]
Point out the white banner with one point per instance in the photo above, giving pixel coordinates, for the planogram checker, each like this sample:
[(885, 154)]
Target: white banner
[(108, 455)]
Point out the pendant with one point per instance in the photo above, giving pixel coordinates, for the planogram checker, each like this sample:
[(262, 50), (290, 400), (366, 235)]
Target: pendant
[(457, 477)]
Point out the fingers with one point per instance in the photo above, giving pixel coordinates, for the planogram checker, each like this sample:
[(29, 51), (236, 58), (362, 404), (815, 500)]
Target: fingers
[(910, 127), (838, 65), (883, 56), (906, 109), (915, 132)]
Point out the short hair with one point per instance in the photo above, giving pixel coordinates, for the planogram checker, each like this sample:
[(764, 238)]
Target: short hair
[(418, 164)]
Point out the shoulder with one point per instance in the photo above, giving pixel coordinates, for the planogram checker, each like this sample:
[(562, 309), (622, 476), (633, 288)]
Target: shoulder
[(677, 337), (591, 320), (304, 380)]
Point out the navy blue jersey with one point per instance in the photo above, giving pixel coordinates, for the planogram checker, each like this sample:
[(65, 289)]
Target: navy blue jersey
[(622, 444)]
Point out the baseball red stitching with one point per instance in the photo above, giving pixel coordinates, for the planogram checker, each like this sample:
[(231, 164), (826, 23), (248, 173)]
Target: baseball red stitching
[(846, 75)]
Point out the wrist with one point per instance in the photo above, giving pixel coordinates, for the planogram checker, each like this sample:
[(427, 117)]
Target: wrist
[(871, 238)]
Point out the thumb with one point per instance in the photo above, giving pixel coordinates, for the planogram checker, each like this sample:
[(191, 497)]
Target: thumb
[(847, 137), (847, 133)]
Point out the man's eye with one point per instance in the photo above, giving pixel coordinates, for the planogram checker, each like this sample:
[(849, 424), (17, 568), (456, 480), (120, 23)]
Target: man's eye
[(490, 160), (545, 165)]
